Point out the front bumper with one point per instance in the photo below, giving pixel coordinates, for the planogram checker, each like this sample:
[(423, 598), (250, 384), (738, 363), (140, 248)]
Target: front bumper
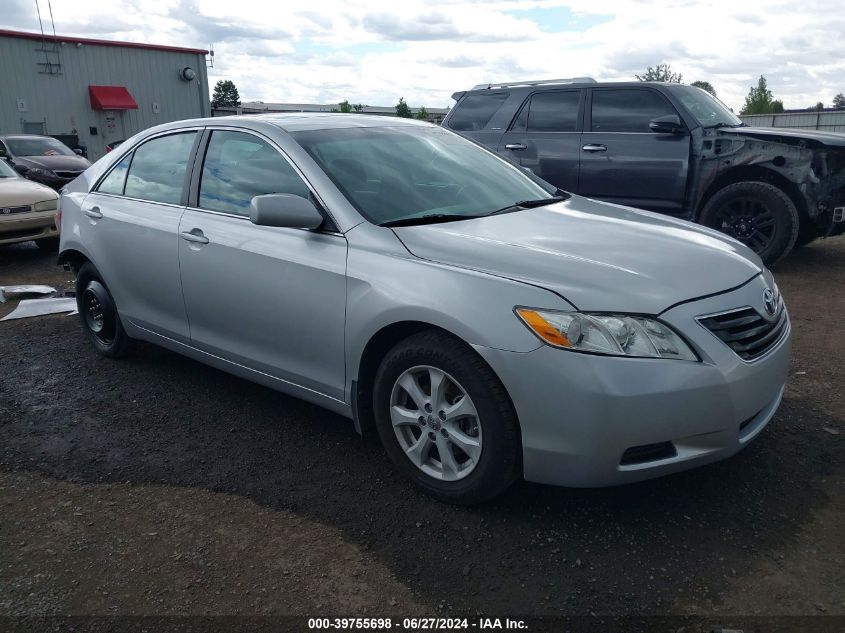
[(23, 227), (580, 413)]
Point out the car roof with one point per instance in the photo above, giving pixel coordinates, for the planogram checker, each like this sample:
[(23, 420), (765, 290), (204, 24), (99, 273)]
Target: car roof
[(25, 136), (532, 87), (298, 121)]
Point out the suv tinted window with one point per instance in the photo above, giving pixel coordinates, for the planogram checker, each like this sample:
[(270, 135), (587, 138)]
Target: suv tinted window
[(157, 172), (627, 110), (554, 111), (113, 183), (239, 166), (475, 111)]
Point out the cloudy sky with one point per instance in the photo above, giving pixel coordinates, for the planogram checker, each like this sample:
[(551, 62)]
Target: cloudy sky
[(375, 51)]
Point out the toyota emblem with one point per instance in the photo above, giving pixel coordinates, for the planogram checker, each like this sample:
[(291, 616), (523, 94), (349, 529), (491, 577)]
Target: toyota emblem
[(770, 301)]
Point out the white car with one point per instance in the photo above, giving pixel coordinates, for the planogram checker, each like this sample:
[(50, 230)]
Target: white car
[(27, 210)]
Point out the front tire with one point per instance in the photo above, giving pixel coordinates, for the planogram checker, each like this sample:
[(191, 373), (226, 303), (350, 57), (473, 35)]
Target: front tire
[(445, 419), (98, 314), (758, 214)]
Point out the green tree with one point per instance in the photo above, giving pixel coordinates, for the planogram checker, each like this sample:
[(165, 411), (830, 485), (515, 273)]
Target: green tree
[(818, 107), (358, 107), (839, 101), (705, 85), (225, 95), (422, 114), (661, 72), (760, 100), (345, 106), (403, 110)]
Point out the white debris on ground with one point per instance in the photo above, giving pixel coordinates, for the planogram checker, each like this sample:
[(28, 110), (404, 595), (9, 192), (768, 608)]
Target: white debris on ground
[(8, 291), (40, 307)]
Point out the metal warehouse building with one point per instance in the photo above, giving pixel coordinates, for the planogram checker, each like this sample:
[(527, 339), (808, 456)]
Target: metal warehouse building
[(91, 92)]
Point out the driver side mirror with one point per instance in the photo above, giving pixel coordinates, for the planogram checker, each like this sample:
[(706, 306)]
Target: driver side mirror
[(284, 210), (669, 124)]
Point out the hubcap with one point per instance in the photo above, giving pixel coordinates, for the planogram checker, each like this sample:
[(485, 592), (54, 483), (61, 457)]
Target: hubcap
[(98, 316), (436, 423), (749, 221)]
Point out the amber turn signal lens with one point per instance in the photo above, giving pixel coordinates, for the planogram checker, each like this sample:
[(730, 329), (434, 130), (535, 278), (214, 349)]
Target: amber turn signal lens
[(543, 328)]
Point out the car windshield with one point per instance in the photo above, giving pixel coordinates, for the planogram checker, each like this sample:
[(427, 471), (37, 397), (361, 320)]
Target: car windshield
[(37, 146), (6, 171), (395, 174), (707, 109)]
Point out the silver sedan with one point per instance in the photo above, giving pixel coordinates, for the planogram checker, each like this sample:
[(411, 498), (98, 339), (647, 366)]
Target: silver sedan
[(485, 324)]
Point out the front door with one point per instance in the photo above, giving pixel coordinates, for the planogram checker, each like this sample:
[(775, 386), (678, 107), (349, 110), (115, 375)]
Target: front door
[(270, 299), (623, 161), (545, 137)]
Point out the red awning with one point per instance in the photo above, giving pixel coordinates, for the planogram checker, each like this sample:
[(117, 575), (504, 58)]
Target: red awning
[(111, 98)]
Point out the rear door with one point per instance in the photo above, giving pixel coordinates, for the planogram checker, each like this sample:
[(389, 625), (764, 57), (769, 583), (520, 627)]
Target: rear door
[(132, 226), (623, 161), (545, 137), (271, 299)]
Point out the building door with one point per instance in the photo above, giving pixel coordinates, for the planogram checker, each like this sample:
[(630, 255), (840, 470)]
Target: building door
[(111, 126)]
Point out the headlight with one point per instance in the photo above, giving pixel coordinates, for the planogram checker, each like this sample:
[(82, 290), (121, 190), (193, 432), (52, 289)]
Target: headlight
[(46, 205), (40, 171), (611, 334)]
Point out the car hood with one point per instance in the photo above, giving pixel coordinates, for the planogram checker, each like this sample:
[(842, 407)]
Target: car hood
[(69, 163), (810, 137), (598, 256), (15, 192)]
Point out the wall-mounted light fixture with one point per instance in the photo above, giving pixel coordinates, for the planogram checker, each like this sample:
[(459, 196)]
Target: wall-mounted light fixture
[(187, 74)]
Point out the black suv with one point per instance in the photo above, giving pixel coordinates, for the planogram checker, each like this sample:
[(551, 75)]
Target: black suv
[(669, 148)]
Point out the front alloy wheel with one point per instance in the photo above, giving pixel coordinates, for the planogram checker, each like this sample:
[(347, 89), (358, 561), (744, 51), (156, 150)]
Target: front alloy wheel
[(436, 423)]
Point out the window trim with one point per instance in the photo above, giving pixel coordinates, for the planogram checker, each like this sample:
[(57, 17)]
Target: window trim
[(588, 110), (131, 150), (199, 161), (526, 105)]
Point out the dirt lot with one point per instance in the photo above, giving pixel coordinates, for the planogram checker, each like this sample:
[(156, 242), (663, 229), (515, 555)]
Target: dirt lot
[(156, 485)]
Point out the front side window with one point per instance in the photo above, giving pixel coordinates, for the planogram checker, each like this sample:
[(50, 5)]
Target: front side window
[(157, 172), (627, 110), (554, 111), (115, 181), (475, 111), (404, 172), (6, 171), (239, 166)]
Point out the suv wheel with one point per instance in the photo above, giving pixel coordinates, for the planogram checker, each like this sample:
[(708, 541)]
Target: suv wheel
[(445, 419), (758, 214), (98, 314)]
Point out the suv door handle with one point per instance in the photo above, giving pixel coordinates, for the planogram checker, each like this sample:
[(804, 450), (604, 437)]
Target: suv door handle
[(195, 236), (94, 213), (515, 146), (591, 147)]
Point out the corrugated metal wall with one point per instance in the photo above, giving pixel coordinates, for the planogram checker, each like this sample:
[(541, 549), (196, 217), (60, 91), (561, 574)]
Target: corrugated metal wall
[(29, 95), (827, 121)]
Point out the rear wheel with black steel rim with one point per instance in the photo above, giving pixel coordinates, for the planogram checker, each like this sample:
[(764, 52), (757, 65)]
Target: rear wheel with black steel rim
[(758, 214), (446, 420), (98, 314)]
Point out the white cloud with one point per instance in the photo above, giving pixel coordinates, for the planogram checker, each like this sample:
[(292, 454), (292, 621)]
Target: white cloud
[(372, 51)]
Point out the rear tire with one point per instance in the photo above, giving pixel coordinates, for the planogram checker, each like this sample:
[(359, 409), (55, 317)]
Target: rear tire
[(758, 214), (458, 406), (98, 314)]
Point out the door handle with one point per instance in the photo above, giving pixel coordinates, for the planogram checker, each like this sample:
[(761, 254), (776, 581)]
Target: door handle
[(94, 213), (515, 146), (195, 236), (591, 147)]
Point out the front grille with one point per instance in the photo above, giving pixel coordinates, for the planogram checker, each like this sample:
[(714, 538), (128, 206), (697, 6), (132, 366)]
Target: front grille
[(69, 175), (648, 453), (11, 210), (746, 331)]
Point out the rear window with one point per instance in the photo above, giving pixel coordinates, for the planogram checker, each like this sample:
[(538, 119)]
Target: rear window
[(554, 111), (475, 111)]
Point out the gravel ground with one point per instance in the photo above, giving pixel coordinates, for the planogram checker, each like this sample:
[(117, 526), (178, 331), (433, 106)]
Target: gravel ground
[(159, 485)]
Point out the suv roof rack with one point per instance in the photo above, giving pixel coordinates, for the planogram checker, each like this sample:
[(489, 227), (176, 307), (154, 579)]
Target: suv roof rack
[(544, 82)]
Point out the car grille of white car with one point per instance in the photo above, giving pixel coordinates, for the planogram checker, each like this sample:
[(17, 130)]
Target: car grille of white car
[(746, 332), (12, 210)]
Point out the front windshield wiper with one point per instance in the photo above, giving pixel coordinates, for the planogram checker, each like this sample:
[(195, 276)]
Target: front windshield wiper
[(432, 218), (530, 204)]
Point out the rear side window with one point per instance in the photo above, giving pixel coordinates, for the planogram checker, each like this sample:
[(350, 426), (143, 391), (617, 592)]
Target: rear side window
[(239, 166), (114, 182), (475, 111), (554, 111), (627, 110), (157, 172)]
